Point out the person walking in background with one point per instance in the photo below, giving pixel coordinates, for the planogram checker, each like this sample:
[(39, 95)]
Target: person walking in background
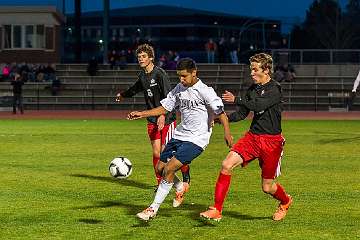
[(17, 84), (353, 92), (263, 141), (222, 50), (233, 50), (210, 48)]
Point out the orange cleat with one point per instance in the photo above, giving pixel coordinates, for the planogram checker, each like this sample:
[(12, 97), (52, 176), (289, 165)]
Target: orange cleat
[(211, 214), (282, 210), (179, 198)]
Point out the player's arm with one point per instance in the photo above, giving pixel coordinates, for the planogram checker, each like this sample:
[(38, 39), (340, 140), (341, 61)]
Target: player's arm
[(227, 134), (147, 113), (241, 111), (134, 89), (260, 103)]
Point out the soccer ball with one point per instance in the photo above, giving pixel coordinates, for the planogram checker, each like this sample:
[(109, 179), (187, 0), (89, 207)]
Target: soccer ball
[(120, 167)]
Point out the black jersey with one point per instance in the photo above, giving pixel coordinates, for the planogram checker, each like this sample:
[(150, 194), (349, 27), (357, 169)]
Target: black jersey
[(266, 103), (155, 86)]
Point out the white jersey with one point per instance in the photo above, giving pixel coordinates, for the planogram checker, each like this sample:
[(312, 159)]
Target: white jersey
[(197, 104), (356, 82)]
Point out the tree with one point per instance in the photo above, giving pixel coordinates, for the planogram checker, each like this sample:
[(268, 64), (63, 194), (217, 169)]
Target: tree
[(326, 26)]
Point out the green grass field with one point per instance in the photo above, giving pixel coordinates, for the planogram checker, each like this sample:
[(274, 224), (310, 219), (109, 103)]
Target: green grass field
[(55, 184)]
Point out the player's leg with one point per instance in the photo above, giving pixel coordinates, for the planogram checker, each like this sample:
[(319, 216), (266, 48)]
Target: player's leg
[(155, 139), (156, 149), (278, 192), (185, 153), (166, 134), (270, 163), (164, 188), (244, 151), (14, 104), (232, 160)]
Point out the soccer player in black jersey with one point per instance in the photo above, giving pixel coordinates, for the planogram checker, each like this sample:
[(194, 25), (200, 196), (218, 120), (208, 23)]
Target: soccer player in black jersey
[(154, 83), (263, 141)]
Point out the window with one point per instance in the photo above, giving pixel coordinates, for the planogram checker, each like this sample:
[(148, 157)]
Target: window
[(49, 38), (24, 36), (7, 36), (29, 36), (40, 37), (17, 34)]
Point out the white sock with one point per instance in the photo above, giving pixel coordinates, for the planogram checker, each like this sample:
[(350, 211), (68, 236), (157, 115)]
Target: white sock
[(161, 193), (178, 185)]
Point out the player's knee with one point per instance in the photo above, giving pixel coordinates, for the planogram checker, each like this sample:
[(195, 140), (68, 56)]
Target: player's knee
[(156, 154), (266, 188), (168, 170), (226, 167)]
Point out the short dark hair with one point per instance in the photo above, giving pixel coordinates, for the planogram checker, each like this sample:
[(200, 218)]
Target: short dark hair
[(147, 49), (187, 64)]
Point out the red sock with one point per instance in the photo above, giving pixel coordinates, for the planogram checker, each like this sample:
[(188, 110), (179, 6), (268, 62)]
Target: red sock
[(280, 194), (155, 162), (221, 190), (185, 170)]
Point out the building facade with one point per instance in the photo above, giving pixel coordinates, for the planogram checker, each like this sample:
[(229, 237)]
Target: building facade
[(170, 28), (30, 34)]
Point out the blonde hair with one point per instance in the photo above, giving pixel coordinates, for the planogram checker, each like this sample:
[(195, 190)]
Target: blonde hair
[(265, 60)]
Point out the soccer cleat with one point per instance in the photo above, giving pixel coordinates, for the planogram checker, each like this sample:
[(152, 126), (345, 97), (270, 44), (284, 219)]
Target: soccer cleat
[(179, 198), (211, 214), (281, 211), (147, 214)]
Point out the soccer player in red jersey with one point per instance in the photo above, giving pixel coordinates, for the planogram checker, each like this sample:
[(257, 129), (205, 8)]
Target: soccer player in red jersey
[(155, 84), (263, 141)]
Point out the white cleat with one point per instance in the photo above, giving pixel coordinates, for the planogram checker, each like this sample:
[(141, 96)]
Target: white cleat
[(147, 214)]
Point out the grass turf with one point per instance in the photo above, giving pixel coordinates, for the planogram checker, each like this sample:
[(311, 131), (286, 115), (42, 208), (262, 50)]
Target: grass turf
[(55, 184)]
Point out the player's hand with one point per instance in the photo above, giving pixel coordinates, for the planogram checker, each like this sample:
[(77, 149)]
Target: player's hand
[(161, 122), (134, 115), (217, 120), (228, 97), (118, 97), (229, 139)]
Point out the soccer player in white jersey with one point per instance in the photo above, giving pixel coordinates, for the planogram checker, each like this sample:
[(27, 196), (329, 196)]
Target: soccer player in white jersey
[(197, 104)]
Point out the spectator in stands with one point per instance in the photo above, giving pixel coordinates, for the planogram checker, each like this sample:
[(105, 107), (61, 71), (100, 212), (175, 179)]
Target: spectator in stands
[(284, 73), (172, 58), (114, 44), (24, 70), (353, 92), (92, 66), (122, 63), (17, 84), (49, 72), (40, 73), (210, 48), (234, 50), (222, 50), (113, 59), (6, 72), (55, 86)]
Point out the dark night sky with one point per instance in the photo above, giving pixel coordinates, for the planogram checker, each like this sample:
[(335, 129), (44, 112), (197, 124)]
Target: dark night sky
[(290, 9)]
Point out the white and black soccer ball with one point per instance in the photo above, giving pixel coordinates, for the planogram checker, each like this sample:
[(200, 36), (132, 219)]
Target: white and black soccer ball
[(120, 167)]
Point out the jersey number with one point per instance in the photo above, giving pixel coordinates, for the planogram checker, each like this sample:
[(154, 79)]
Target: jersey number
[(149, 93)]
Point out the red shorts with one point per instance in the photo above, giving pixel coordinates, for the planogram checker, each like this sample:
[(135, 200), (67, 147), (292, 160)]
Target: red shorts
[(165, 134), (267, 148)]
